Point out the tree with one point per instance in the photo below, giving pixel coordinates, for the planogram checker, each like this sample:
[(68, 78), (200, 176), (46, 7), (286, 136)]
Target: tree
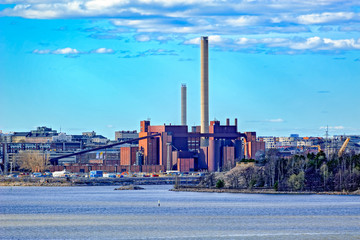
[(220, 183), (233, 177), (296, 182), (243, 176), (208, 180), (324, 170), (33, 160), (271, 161)]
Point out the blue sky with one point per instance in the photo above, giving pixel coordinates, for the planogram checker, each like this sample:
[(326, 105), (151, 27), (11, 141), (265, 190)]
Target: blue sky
[(280, 67)]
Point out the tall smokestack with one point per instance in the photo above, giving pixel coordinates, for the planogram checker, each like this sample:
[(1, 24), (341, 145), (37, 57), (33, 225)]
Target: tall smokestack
[(183, 105), (204, 89)]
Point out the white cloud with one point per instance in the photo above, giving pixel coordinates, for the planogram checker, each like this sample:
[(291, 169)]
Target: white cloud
[(231, 24), (326, 17), (291, 45), (277, 120), (72, 51), (41, 51), (192, 41), (101, 4), (142, 38), (65, 51), (103, 50), (242, 21), (310, 43)]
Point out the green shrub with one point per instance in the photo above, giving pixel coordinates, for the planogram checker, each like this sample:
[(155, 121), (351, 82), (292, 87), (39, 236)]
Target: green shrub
[(220, 183), (276, 186)]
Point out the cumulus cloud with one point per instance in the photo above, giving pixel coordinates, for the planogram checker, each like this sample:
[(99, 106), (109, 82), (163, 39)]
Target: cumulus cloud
[(41, 51), (242, 21), (65, 51), (190, 13), (72, 51), (103, 50), (327, 17), (282, 45), (142, 38), (228, 22)]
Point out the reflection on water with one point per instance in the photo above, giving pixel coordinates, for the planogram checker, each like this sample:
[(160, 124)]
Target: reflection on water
[(101, 212)]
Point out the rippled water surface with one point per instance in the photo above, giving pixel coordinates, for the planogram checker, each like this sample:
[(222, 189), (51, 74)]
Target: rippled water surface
[(102, 213)]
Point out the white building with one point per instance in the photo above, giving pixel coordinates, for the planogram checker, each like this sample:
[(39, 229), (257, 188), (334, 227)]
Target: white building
[(270, 142), (62, 137)]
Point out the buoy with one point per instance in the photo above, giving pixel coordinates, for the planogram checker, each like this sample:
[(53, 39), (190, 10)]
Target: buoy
[(158, 203)]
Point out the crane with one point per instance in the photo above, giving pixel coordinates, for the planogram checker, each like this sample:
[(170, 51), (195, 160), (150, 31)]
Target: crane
[(343, 147)]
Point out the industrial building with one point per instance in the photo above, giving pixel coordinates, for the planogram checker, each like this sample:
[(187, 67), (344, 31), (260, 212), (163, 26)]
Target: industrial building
[(207, 147), (210, 146)]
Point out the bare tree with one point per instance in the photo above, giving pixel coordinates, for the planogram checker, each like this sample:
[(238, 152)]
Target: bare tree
[(35, 161), (209, 180), (243, 176), (232, 178)]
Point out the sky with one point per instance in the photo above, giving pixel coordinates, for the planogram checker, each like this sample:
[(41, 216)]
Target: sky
[(280, 66)]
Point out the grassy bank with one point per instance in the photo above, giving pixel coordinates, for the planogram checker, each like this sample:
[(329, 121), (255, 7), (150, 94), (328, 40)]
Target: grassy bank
[(256, 191)]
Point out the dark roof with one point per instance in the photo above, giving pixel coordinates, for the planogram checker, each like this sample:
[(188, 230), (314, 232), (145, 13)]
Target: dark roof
[(98, 136), (19, 134)]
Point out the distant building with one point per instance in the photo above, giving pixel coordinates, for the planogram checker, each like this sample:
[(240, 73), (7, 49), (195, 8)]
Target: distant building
[(125, 135), (40, 135), (253, 148), (5, 137), (62, 137), (99, 139), (270, 142), (89, 134)]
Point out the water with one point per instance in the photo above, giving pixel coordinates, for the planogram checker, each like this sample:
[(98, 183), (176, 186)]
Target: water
[(102, 213)]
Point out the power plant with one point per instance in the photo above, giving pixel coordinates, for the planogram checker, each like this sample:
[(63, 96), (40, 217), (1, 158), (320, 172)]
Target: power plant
[(208, 147)]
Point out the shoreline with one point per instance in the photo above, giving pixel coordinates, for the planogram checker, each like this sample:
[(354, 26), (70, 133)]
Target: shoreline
[(63, 182), (258, 191)]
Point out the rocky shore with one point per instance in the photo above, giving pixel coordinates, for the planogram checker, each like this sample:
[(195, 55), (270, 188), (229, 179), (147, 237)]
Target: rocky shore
[(256, 191), (59, 182), (129, 187)]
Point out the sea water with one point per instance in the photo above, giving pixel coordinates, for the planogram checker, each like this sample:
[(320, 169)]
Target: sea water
[(101, 213)]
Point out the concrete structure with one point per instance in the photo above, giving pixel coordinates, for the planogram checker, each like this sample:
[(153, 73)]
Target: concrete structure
[(204, 55), (183, 105)]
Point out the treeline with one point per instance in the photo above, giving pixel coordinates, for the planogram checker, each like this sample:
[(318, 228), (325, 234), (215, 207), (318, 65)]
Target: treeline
[(298, 173)]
